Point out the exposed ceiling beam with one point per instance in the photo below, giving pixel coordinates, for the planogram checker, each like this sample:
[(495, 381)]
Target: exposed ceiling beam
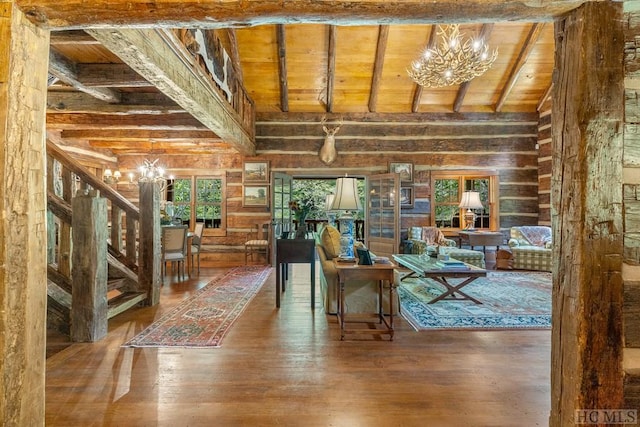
[(178, 121), (130, 103), (110, 75), (282, 67), (383, 35), (331, 67), (66, 71), (161, 59), (71, 37), (123, 135), (529, 43), (485, 31), (417, 93), (545, 95), (206, 14)]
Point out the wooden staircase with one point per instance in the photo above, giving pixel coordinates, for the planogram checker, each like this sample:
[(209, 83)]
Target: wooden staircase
[(67, 178)]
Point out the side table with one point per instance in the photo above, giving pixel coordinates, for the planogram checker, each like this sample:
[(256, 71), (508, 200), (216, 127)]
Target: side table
[(290, 251), (482, 238), (379, 272)]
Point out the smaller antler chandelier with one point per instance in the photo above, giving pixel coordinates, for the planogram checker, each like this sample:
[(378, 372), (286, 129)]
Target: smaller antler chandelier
[(452, 60)]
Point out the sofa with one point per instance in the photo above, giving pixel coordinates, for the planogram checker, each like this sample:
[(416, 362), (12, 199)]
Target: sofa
[(531, 247), (428, 240), (360, 296)]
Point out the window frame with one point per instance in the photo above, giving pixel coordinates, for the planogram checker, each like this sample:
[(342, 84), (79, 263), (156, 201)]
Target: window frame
[(462, 176), (193, 202)]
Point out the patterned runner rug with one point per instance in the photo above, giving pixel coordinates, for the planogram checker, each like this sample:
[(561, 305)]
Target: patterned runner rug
[(203, 319), (510, 300)]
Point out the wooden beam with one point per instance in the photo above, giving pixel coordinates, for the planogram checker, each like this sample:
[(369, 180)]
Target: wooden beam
[(110, 75), (527, 47), (65, 71), (545, 95), (464, 87), (417, 93), (282, 67), (72, 37), (123, 135), (331, 67), (130, 103), (383, 35), (161, 58), (196, 13), (178, 121)]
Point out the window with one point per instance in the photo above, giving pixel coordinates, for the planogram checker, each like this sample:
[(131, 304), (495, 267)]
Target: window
[(446, 192), (200, 199)]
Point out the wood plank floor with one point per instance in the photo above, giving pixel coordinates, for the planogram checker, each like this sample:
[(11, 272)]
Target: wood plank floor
[(288, 367)]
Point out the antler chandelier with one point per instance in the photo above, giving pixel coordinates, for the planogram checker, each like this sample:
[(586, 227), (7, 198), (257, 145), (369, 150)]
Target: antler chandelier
[(452, 60)]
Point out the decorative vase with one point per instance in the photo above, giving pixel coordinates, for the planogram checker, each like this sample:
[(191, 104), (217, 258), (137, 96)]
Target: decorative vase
[(301, 231)]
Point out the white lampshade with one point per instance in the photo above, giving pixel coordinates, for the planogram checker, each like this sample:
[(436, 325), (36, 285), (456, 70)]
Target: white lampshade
[(471, 200), (346, 198), (328, 201)]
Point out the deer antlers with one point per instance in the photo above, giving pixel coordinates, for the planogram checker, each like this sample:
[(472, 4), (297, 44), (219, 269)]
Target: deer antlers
[(333, 131)]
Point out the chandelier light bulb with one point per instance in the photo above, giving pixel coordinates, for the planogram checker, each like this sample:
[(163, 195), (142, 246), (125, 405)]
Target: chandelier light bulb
[(452, 60)]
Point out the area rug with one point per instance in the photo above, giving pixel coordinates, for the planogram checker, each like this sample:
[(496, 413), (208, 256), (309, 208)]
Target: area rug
[(204, 319), (510, 300)]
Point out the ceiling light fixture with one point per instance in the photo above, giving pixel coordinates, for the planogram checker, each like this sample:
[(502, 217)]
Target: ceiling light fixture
[(452, 60)]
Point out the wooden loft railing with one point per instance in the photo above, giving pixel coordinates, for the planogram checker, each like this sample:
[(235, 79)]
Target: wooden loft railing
[(65, 179)]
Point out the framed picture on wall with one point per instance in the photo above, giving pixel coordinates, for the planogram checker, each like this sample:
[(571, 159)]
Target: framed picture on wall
[(405, 169), (255, 195), (406, 197), (255, 171)]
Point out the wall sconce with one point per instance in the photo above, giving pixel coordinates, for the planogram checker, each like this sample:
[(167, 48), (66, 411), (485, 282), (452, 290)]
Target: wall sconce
[(110, 177)]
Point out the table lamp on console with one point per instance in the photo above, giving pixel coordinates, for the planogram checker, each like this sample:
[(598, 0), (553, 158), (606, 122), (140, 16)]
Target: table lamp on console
[(347, 201), (470, 200)]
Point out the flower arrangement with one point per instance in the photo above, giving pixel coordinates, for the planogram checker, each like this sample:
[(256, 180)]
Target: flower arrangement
[(301, 209)]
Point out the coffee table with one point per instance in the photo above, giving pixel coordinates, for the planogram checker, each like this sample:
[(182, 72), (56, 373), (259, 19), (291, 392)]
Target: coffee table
[(426, 267)]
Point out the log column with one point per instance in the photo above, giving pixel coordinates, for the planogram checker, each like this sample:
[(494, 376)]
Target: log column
[(89, 308), (24, 53), (586, 371), (149, 258)]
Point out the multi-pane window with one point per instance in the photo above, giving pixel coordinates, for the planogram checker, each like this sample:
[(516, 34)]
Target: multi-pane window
[(199, 199), (446, 193)]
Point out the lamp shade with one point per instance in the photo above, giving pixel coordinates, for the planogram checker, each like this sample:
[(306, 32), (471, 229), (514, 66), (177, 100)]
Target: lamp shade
[(346, 198), (470, 200), (328, 201)]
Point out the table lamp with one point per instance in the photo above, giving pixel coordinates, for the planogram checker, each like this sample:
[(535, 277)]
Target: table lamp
[(331, 215), (470, 200), (346, 200)]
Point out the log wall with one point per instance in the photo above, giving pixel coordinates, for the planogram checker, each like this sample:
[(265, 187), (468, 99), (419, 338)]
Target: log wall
[(544, 163), (366, 143)]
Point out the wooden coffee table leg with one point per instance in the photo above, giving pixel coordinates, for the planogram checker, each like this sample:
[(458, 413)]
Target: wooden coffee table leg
[(451, 289)]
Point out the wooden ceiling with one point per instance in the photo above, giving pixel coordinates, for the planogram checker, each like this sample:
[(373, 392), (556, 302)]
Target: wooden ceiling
[(98, 102)]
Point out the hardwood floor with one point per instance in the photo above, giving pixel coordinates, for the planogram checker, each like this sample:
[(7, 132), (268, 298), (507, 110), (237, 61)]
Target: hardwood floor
[(288, 367)]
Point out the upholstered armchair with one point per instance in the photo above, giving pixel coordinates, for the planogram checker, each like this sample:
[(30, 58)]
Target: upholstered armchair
[(426, 240), (531, 247), (421, 238)]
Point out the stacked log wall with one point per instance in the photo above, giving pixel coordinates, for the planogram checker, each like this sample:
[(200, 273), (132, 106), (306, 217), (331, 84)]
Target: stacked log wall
[(366, 143), (544, 163)]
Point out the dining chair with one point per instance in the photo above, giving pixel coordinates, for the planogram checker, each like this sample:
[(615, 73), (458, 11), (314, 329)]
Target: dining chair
[(174, 248), (196, 243), (258, 242)]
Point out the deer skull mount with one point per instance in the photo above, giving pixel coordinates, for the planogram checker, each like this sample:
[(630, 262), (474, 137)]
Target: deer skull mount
[(328, 153)]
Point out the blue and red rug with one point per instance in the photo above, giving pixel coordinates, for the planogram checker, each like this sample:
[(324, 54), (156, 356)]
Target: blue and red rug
[(204, 319), (510, 300)]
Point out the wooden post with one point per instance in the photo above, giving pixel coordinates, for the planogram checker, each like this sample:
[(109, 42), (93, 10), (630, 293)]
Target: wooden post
[(24, 52), (588, 101), (149, 261), (89, 310)]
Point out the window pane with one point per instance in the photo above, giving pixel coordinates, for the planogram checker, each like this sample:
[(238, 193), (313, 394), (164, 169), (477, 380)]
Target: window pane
[(446, 191)]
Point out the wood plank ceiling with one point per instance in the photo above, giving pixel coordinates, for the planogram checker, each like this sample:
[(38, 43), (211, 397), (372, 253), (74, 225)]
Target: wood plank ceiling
[(97, 101)]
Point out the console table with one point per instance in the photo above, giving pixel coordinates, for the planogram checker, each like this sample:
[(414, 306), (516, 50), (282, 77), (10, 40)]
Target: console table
[(289, 251), (379, 272)]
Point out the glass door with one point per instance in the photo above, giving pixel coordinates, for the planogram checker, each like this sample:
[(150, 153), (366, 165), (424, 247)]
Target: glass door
[(383, 214), (282, 217)]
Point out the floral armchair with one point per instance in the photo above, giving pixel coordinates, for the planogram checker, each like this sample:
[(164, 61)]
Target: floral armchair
[(426, 240)]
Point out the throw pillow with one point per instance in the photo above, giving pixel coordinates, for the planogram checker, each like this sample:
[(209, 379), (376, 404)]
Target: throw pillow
[(330, 240)]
